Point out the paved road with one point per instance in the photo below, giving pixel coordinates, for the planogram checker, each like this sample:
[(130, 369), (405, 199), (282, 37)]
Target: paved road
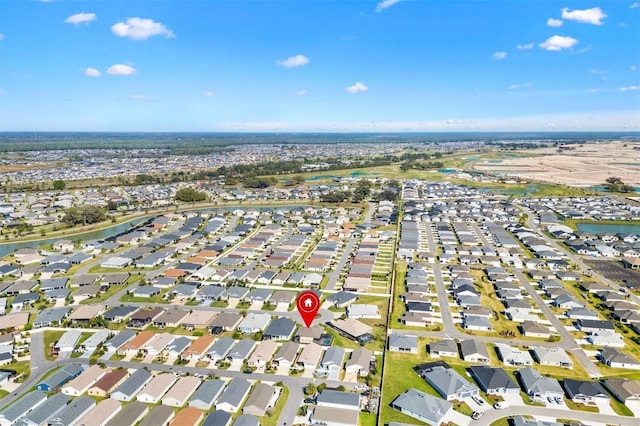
[(491, 416), (567, 341), (41, 366), (572, 256)]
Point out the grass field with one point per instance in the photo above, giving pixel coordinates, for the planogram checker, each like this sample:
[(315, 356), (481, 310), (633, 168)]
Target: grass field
[(50, 337)]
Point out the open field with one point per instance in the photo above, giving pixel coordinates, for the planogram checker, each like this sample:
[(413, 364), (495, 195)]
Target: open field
[(580, 166)]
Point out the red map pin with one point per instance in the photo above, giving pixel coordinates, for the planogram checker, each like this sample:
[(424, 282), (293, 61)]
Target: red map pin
[(308, 304)]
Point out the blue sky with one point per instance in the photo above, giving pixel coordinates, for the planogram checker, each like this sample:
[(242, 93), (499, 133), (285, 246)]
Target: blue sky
[(319, 65)]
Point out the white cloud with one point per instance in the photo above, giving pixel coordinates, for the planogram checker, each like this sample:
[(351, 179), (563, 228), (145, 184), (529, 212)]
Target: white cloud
[(207, 93), (1, 36), (587, 16), (528, 84), (556, 42), (525, 46), (555, 23), (141, 29), (634, 5), (301, 92), (594, 90), (499, 55), (92, 72), (633, 67), (293, 61), (629, 88), (80, 18), (121, 69), (583, 50), (144, 98), (384, 4), (357, 87), (514, 87)]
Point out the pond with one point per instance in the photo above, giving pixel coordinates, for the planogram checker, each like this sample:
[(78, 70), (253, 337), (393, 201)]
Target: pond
[(100, 234), (597, 228)]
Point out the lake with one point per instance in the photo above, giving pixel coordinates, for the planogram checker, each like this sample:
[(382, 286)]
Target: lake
[(597, 228), (100, 234)]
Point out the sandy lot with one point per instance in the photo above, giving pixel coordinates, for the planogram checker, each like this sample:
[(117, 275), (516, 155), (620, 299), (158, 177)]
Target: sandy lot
[(585, 165)]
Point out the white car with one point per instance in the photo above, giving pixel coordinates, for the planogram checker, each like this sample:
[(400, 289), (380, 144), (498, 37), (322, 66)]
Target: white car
[(501, 405)]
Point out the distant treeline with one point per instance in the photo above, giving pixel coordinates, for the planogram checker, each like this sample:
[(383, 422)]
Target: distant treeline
[(202, 143)]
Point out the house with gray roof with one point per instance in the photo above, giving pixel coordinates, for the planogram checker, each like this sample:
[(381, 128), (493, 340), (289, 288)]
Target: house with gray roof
[(241, 350), (538, 386), (286, 355), (51, 316), (424, 407), (339, 400), (445, 347), (60, 377), (342, 299), (131, 386), (131, 414), (494, 381), (20, 408), (625, 391), (159, 415), (242, 420), (588, 393), (616, 359), (178, 345), (73, 412), (218, 418), (403, 343), (331, 363), (119, 313), (554, 356), (220, 348), (206, 394), (233, 396), (260, 400), (51, 407), (279, 329), (254, 322), (449, 383), (474, 351), (119, 339), (522, 421), (359, 362), (225, 321)]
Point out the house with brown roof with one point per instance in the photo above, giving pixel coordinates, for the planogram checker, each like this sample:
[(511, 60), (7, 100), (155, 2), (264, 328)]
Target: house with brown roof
[(262, 398), (170, 318), (134, 345), (188, 417), (103, 387), (81, 384), (198, 348)]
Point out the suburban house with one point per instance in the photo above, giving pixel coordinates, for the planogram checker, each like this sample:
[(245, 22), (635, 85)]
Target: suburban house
[(538, 386), (448, 382), (588, 393), (424, 407), (494, 381)]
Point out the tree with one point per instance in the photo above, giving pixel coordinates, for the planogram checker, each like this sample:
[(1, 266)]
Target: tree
[(310, 389), (190, 195), (84, 215), (59, 185)]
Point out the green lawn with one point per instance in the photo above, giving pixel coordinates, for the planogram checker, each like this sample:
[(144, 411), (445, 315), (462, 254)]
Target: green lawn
[(367, 419), (50, 337)]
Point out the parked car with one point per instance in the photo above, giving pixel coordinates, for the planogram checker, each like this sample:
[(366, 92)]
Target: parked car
[(476, 415), (501, 405), (478, 400), (558, 400)]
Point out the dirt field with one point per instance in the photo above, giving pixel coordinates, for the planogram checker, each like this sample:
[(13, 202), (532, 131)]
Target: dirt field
[(586, 165)]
